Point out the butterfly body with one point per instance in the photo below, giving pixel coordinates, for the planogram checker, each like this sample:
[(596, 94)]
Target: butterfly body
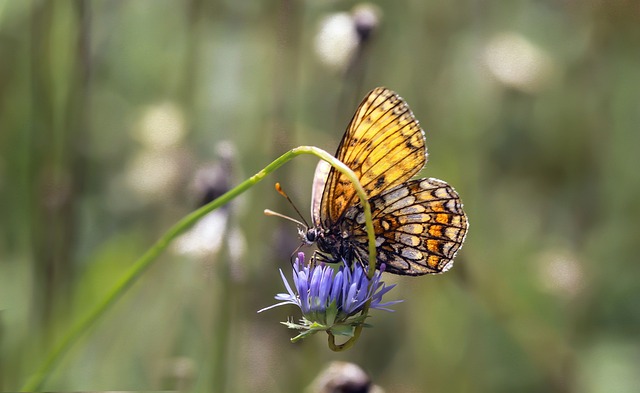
[(418, 224), (332, 242), (336, 246)]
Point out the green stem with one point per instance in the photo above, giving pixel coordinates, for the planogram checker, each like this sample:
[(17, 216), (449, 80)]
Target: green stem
[(36, 380), (361, 194), (370, 234), (345, 345)]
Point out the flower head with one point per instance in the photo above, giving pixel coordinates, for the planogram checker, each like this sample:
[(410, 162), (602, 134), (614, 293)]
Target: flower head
[(331, 300)]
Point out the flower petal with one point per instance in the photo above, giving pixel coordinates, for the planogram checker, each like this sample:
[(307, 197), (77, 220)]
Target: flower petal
[(336, 290), (286, 284), (325, 286)]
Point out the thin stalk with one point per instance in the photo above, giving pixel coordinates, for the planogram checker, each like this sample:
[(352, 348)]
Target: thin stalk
[(36, 380), (361, 194), (370, 234)]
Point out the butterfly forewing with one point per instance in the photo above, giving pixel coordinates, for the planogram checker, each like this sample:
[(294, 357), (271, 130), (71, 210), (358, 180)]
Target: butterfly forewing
[(419, 226), (384, 145)]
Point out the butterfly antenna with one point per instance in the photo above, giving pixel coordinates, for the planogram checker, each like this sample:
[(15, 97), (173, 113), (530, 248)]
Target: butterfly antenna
[(268, 212), (284, 194)]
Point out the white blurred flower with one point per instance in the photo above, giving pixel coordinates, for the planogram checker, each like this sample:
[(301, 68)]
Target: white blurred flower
[(560, 273), (205, 238), (336, 40), (153, 174), (155, 169), (366, 19), (340, 34), (216, 229), (161, 126), (343, 376), (516, 62)]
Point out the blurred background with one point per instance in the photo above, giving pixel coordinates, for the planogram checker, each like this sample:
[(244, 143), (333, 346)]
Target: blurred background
[(117, 118)]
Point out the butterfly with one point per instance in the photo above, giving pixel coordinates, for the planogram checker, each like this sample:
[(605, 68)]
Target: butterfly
[(419, 224)]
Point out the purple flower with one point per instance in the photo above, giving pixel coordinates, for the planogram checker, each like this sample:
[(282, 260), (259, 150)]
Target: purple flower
[(330, 300)]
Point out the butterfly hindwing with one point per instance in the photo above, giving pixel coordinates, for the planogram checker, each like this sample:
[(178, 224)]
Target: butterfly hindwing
[(419, 226), (384, 145)]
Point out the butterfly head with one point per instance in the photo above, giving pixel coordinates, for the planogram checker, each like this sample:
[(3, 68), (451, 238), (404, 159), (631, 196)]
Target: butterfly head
[(308, 235), (326, 241)]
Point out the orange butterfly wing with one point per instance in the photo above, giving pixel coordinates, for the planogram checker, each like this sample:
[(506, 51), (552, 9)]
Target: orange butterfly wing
[(384, 145), (419, 226)]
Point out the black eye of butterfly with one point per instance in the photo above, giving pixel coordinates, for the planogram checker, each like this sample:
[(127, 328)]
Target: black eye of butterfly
[(311, 235)]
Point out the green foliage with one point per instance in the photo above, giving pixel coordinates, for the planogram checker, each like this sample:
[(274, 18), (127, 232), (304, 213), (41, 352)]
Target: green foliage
[(107, 110)]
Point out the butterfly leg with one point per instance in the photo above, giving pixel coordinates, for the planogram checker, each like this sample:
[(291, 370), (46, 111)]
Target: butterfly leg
[(294, 255), (361, 260), (319, 256)]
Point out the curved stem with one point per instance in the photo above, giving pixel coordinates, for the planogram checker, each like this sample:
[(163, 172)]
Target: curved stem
[(144, 262), (347, 344), (370, 235), (359, 191)]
